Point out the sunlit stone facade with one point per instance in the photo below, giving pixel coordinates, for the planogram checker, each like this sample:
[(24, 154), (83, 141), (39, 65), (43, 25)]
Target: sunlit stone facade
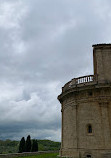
[(86, 110)]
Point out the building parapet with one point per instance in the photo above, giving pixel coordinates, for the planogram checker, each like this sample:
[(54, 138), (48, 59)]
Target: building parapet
[(80, 80)]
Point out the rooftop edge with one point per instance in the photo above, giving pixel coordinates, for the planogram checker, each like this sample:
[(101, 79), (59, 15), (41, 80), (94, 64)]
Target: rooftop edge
[(101, 44)]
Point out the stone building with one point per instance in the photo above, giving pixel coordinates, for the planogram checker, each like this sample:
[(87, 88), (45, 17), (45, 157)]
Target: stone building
[(86, 110)]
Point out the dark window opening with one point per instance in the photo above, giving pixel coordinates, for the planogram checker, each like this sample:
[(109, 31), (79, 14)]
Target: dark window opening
[(89, 129), (88, 156), (90, 93)]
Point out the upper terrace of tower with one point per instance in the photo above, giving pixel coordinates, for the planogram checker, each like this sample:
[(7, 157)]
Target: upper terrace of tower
[(102, 68)]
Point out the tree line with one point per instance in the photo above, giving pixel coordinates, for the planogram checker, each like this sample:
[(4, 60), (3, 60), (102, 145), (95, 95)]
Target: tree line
[(28, 145)]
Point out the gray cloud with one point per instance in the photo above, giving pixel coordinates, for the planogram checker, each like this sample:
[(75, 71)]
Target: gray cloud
[(44, 44)]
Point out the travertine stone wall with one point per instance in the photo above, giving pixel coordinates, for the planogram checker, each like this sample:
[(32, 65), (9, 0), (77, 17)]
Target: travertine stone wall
[(102, 62), (88, 105)]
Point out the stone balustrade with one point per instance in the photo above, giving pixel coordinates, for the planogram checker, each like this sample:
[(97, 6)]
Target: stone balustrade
[(80, 80)]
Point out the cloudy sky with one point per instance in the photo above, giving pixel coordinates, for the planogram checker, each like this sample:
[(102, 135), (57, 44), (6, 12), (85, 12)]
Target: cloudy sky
[(43, 45)]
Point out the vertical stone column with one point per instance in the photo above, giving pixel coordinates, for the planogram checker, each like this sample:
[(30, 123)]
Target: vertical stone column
[(75, 122), (61, 130), (105, 124), (69, 128)]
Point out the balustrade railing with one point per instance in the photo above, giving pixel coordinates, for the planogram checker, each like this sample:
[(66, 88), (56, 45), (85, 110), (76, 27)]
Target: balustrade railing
[(80, 80), (85, 79)]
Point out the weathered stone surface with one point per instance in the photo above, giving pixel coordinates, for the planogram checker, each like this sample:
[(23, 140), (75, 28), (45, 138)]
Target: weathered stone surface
[(86, 101)]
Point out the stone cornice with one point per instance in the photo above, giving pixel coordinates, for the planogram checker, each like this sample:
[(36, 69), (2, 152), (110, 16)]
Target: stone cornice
[(102, 101), (76, 90)]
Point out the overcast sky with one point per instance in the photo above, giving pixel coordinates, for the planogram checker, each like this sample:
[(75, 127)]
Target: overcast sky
[(43, 45)]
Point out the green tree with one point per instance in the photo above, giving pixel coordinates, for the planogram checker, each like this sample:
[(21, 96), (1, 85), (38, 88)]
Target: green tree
[(34, 145), (22, 145), (28, 144)]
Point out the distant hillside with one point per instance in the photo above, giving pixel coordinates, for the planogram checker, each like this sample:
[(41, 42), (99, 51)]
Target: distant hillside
[(9, 146), (45, 145)]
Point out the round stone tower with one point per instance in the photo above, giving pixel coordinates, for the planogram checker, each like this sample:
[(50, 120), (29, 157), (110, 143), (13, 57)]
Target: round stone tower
[(86, 110)]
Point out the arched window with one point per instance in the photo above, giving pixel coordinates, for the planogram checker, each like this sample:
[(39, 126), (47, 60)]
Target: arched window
[(89, 128)]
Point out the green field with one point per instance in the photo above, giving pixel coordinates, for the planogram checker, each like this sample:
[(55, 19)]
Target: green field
[(48, 155)]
